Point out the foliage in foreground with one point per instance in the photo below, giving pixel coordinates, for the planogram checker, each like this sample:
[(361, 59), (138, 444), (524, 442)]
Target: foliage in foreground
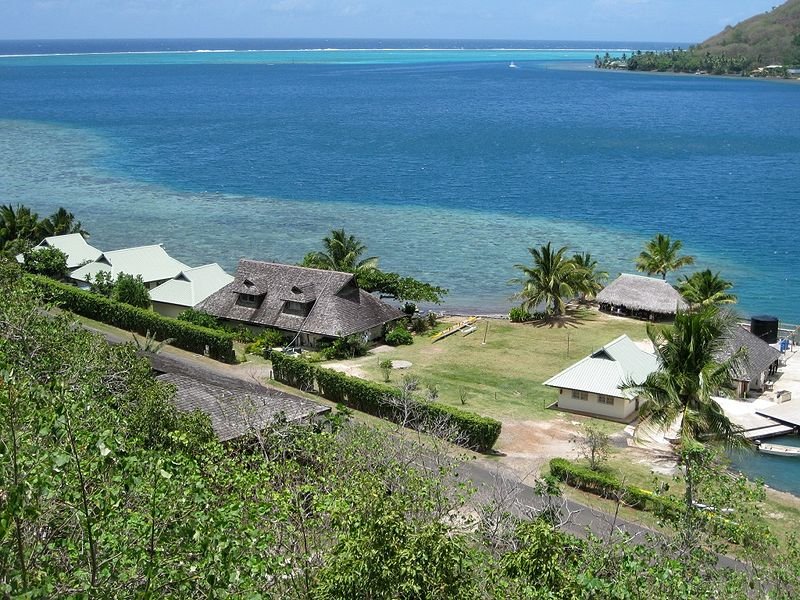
[(108, 492)]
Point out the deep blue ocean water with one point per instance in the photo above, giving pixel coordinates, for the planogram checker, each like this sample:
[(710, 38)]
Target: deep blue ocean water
[(447, 162)]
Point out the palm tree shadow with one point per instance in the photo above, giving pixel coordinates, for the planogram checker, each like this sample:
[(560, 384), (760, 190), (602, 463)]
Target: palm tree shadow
[(572, 319)]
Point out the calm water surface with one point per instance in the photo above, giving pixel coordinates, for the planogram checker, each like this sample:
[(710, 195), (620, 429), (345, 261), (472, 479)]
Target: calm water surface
[(448, 163)]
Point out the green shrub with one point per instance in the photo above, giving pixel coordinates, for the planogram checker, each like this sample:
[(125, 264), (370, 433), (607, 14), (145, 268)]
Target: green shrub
[(419, 324), (351, 346), (386, 369), (519, 315), (399, 336), (50, 262), (102, 284), (476, 431), (131, 290), (190, 337), (606, 485), (199, 318), (266, 341), (241, 333)]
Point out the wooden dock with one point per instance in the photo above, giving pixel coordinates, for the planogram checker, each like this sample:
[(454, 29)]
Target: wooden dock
[(787, 413), (770, 431)]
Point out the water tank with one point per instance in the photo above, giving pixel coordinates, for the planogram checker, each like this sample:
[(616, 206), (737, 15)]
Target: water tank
[(765, 327)]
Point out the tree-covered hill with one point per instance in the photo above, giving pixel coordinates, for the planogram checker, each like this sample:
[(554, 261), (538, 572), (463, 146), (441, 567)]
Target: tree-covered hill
[(772, 37)]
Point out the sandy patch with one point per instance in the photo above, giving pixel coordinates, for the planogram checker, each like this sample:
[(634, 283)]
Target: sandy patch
[(353, 370), (528, 446)]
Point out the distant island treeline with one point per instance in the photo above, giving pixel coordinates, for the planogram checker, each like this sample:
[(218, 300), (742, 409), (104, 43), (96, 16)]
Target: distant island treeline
[(766, 45)]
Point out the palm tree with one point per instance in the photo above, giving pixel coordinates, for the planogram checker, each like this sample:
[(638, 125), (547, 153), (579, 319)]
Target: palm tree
[(342, 253), (550, 281), (661, 255), (704, 288), (589, 280), (689, 372), (18, 227), (61, 222)]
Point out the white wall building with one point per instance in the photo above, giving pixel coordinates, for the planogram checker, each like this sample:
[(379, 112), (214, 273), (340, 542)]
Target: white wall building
[(592, 385), (188, 289), (151, 262)]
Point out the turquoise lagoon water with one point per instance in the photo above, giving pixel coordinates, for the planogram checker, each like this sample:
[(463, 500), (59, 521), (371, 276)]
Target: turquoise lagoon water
[(445, 161), (779, 472)]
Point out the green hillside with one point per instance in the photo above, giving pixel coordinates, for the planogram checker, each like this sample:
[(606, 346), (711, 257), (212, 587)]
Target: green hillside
[(769, 38)]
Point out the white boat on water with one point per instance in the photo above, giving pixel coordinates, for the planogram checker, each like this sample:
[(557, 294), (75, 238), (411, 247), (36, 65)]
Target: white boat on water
[(779, 450), (512, 65)]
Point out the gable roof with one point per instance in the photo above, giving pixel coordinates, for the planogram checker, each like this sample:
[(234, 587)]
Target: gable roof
[(337, 306), (607, 369), (759, 355), (74, 245), (192, 286), (636, 292), (236, 408), (151, 262)]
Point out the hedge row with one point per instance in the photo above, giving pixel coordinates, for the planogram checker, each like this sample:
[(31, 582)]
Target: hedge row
[(217, 344), (608, 486), (477, 432)]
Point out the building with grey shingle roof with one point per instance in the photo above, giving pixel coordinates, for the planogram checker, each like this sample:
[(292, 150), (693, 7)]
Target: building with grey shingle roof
[(760, 359), (641, 297), (592, 385), (312, 304), (236, 409)]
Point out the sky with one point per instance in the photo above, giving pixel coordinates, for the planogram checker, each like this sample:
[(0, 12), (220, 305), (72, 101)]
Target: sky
[(586, 20)]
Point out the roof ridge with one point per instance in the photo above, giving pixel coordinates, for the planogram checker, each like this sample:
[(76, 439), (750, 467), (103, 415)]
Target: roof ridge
[(279, 264)]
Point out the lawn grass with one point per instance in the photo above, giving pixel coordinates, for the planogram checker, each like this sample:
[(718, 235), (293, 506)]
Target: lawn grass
[(503, 377)]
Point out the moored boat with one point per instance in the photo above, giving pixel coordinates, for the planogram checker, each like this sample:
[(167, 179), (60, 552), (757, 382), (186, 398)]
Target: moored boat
[(778, 450)]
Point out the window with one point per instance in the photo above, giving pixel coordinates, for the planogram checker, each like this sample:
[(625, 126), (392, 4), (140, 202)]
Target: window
[(605, 399), (248, 300), (300, 309), (579, 395)]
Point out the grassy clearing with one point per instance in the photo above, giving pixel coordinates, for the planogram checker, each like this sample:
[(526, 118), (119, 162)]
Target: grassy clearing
[(503, 377)]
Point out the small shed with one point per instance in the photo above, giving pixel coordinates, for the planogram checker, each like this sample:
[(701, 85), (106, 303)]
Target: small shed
[(641, 297), (759, 362)]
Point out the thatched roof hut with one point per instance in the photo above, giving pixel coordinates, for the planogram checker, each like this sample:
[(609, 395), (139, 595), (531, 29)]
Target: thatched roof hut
[(642, 297)]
